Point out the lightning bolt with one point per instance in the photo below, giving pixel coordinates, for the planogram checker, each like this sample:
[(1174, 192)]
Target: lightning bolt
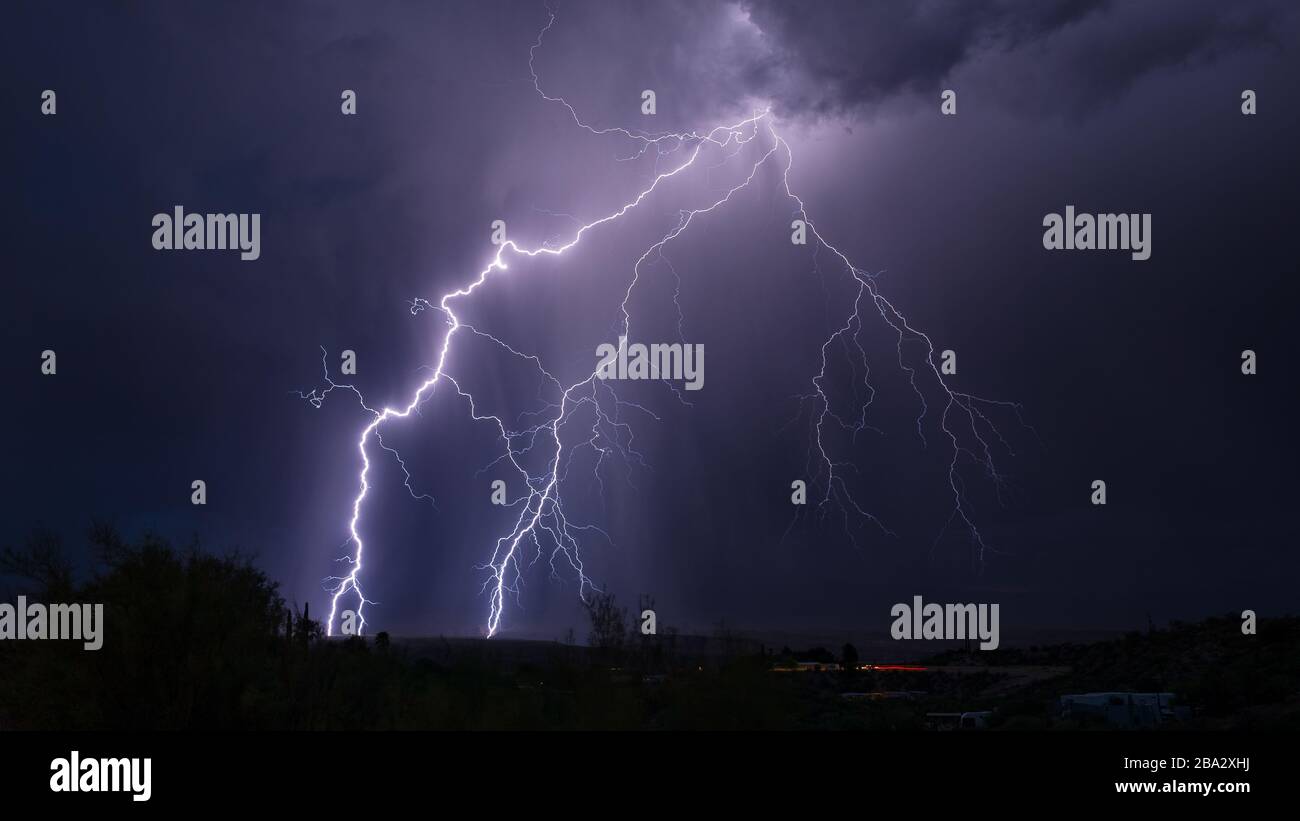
[(541, 526)]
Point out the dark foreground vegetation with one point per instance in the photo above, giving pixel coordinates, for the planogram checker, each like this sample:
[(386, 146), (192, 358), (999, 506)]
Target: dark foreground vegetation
[(195, 641)]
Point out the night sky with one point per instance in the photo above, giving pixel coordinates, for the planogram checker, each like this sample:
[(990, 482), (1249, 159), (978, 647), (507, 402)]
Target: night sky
[(183, 365)]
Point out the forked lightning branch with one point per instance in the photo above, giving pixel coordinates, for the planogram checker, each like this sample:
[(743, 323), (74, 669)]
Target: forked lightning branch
[(542, 528)]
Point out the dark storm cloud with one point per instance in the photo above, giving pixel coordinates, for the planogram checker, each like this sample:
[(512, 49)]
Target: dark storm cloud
[(841, 57), (192, 361), (1106, 57), (828, 57)]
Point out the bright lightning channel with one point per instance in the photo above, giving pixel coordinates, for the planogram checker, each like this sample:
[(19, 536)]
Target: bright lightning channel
[(541, 514)]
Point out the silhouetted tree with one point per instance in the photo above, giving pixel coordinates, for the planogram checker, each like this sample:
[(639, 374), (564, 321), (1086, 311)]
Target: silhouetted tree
[(849, 658), (40, 560), (188, 640), (608, 625)]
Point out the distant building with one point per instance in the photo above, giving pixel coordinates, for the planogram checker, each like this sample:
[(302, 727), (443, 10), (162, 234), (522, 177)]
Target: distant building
[(970, 720), (818, 666), (885, 695), (1122, 709)]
